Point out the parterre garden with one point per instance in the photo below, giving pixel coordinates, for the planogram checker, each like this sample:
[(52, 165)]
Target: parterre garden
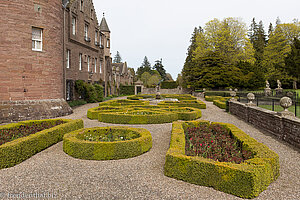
[(217, 155)]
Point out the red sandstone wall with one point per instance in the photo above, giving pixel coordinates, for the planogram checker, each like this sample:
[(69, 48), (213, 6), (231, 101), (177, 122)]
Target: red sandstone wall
[(27, 74)]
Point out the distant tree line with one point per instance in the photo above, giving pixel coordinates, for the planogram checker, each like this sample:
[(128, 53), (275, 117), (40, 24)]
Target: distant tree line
[(225, 54)]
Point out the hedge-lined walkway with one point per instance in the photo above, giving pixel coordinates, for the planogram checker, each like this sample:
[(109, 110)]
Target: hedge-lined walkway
[(141, 177)]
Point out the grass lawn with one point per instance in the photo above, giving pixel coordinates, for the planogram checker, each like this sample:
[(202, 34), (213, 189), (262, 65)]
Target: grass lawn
[(278, 108)]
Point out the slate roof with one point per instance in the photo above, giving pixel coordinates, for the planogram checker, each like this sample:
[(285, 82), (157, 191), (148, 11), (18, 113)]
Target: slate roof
[(104, 26)]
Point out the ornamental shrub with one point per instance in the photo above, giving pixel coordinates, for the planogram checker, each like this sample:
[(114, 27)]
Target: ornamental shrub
[(90, 93)]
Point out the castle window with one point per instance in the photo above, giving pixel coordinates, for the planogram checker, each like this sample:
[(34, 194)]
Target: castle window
[(95, 65), (92, 12), (68, 59), (73, 25), (88, 63), (37, 39), (100, 63), (80, 61), (96, 37), (107, 43), (86, 33), (81, 5)]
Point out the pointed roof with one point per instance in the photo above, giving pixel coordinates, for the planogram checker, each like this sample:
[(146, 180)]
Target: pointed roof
[(103, 25)]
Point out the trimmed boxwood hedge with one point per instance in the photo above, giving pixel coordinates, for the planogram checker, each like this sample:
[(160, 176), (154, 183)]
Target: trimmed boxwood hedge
[(134, 118), (79, 148), (246, 180), (185, 103), (142, 114), (220, 104), (18, 150)]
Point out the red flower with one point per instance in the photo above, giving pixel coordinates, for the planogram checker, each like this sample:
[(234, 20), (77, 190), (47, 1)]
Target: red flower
[(212, 141), (201, 145)]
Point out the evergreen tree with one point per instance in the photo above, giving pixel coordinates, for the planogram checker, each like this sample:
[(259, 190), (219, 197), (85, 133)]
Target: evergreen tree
[(145, 67), (292, 61), (117, 58), (160, 68), (258, 39), (270, 30)]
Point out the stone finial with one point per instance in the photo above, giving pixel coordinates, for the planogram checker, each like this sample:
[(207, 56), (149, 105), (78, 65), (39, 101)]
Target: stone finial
[(204, 89), (285, 103), (235, 89), (232, 94), (250, 97)]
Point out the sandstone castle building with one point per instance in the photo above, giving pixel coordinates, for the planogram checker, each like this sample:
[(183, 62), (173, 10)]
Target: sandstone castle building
[(45, 46)]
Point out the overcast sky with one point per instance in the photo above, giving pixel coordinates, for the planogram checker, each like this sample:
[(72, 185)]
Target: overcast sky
[(162, 28)]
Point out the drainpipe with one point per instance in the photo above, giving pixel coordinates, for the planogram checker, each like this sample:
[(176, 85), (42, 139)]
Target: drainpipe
[(64, 4)]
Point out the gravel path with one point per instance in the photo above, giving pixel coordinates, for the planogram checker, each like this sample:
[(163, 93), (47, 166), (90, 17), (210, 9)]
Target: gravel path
[(52, 172)]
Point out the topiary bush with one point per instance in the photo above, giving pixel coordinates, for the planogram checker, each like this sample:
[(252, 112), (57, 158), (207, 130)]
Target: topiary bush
[(247, 179), (18, 150), (107, 143)]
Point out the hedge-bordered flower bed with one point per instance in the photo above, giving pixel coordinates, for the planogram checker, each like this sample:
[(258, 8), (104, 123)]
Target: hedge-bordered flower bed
[(142, 114), (18, 150), (173, 96), (76, 146), (247, 179)]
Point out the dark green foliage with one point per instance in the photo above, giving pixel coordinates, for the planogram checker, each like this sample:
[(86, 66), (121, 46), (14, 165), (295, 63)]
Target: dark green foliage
[(75, 145), (99, 92), (160, 68), (168, 85), (213, 72), (126, 89), (18, 150), (292, 61), (258, 39), (90, 93), (76, 103), (145, 67)]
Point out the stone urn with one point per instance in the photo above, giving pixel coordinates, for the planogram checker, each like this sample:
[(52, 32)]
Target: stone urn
[(285, 103), (232, 94), (251, 98)]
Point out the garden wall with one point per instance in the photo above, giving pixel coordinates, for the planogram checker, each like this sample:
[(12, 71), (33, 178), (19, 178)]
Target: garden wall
[(285, 128), (11, 111)]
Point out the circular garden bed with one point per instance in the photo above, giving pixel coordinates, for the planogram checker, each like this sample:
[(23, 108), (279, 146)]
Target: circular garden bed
[(107, 143)]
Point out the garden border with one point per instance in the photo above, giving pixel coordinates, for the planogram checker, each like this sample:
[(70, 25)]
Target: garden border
[(89, 150), (18, 150), (246, 180)]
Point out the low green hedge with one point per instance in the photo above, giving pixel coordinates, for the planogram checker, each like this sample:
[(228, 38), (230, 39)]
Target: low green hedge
[(127, 89), (185, 113), (220, 104), (136, 118), (18, 150), (79, 148), (246, 180), (185, 103), (168, 85)]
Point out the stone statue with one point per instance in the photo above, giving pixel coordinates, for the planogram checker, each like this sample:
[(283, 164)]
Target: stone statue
[(267, 84), (279, 84), (268, 91)]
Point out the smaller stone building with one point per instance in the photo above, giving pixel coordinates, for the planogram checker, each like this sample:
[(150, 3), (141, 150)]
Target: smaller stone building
[(121, 75)]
